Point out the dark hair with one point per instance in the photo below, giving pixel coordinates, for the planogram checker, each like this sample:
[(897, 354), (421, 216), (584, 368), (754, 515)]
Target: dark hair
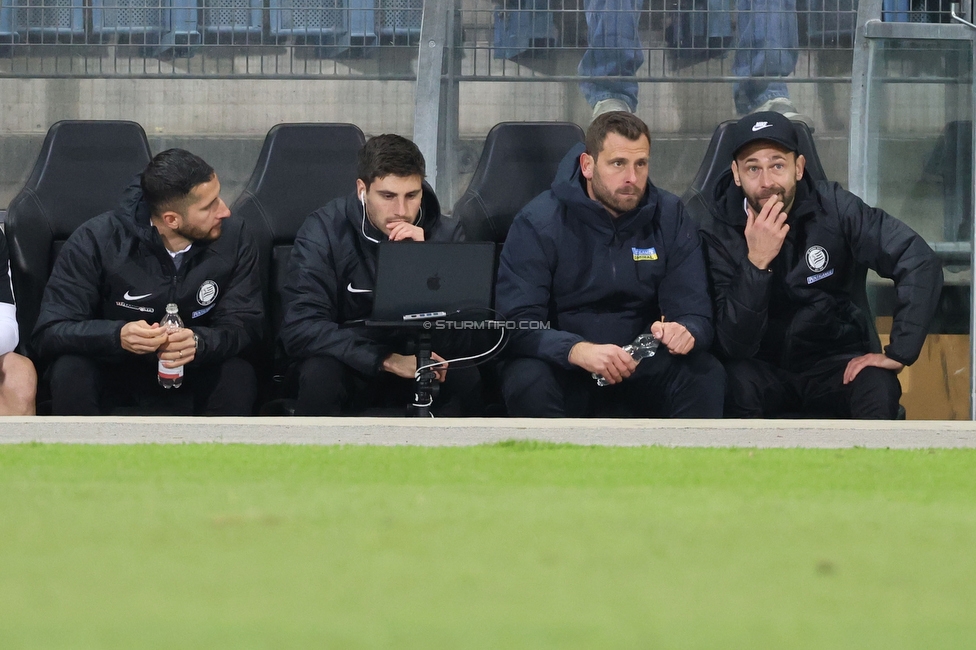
[(620, 122), (390, 154), (171, 176)]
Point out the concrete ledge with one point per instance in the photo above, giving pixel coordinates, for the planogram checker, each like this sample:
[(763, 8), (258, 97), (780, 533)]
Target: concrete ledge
[(458, 432)]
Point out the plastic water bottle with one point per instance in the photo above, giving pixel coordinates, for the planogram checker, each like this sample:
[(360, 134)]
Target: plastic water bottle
[(171, 377), (643, 347)]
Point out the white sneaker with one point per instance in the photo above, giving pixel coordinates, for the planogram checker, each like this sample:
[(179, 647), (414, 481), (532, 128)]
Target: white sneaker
[(785, 107), (608, 105)]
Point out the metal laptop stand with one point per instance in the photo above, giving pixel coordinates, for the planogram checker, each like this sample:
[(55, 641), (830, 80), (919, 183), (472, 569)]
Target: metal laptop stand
[(425, 382)]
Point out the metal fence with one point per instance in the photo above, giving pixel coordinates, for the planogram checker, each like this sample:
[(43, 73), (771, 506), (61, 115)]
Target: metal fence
[(678, 40), (209, 38)]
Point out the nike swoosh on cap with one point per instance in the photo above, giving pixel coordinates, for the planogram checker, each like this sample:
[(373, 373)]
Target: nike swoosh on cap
[(759, 126), (128, 296), (352, 289)]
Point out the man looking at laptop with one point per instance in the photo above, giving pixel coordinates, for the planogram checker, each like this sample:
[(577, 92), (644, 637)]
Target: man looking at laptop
[(331, 277), (602, 257)]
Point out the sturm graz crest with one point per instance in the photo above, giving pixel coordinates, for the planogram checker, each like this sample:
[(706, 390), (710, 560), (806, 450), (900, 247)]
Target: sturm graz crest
[(817, 258), (207, 293)]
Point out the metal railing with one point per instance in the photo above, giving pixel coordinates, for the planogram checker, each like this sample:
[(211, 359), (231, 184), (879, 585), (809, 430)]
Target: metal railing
[(209, 38), (679, 40)]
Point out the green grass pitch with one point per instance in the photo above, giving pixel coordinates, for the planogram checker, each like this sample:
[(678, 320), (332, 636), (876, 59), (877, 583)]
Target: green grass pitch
[(517, 545)]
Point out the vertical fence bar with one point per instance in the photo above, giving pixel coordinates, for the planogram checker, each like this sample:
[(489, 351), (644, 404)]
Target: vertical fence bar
[(427, 118), (972, 241), (857, 157)]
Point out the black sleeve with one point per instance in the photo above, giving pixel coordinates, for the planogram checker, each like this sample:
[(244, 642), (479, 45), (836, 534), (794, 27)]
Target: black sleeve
[(740, 291), (683, 293), (522, 294), (6, 288), (897, 252), (66, 323), (237, 320), (310, 324)]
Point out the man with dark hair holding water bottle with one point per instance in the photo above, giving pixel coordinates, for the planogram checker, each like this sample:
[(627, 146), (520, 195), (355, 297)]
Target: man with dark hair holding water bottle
[(168, 247)]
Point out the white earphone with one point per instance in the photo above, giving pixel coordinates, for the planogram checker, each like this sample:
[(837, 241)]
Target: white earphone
[(362, 199)]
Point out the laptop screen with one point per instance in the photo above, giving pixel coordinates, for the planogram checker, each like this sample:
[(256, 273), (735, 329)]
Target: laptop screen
[(417, 279)]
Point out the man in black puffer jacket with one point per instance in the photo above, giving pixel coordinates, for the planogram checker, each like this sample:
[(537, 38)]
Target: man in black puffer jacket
[(782, 253), (603, 257), (169, 241), (330, 282)]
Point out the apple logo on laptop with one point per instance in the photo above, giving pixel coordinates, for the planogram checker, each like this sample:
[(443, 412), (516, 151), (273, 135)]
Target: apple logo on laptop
[(434, 282)]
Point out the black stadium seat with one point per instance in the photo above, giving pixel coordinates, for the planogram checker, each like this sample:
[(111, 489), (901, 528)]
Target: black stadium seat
[(718, 161), (518, 163), (82, 170), (301, 168)]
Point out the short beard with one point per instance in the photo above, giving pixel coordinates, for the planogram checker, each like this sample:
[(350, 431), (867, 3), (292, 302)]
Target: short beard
[(611, 201), (196, 236), (758, 202)]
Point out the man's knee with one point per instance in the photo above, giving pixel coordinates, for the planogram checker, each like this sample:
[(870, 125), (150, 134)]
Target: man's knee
[(75, 385), (530, 389), (19, 384), (744, 389), (874, 394), (236, 390), (241, 374), (698, 390), (322, 388)]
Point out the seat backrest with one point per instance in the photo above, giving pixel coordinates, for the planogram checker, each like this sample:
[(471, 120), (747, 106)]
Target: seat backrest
[(81, 172), (717, 163), (518, 163), (301, 168)]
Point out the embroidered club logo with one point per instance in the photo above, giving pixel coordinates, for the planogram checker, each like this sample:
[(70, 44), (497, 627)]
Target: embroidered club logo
[(759, 126), (644, 254), (207, 293), (817, 258)]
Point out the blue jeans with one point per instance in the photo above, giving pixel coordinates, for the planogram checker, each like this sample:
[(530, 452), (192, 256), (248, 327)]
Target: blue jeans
[(766, 46), (614, 51)]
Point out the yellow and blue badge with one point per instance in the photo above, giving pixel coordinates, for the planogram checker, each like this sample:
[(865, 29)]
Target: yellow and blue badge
[(644, 254)]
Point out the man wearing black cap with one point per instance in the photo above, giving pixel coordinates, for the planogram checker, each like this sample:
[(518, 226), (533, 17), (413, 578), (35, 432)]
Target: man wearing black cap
[(782, 252)]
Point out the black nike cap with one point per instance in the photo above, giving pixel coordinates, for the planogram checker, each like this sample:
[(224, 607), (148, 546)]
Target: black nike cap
[(769, 125)]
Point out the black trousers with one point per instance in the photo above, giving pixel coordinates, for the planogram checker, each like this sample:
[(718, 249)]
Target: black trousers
[(83, 386), (757, 389), (665, 385), (326, 386)]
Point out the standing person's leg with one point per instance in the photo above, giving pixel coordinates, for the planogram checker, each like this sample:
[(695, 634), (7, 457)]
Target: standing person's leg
[(18, 385), (614, 50), (228, 388), (756, 389), (766, 46), (676, 386), (533, 388)]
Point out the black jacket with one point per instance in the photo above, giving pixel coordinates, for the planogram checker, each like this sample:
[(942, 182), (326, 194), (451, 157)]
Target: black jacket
[(331, 275), (115, 269), (595, 278), (801, 309)]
